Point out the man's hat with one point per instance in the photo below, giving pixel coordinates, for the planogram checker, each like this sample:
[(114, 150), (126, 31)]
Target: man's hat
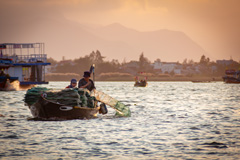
[(86, 74)]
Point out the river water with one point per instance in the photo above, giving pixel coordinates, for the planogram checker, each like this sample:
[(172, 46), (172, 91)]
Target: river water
[(169, 120)]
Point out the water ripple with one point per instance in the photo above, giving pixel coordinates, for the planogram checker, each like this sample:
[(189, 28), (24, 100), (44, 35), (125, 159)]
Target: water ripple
[(170, 120)]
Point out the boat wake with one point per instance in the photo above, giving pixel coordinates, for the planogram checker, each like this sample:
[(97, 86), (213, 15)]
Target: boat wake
[(15, 86)]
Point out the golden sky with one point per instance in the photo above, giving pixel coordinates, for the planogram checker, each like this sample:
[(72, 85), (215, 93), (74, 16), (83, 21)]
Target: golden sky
[(213, 24)]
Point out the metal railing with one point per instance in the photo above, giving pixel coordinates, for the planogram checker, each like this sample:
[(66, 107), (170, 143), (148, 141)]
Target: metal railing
[(31, 58)]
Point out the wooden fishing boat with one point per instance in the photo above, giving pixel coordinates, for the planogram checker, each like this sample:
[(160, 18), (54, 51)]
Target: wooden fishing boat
[(140, 83), (46, 110)]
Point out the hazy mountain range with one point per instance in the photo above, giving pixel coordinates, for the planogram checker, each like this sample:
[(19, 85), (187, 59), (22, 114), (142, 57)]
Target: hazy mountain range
[(67, 38)]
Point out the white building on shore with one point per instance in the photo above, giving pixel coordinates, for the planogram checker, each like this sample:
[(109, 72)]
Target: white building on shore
[(167, 67)]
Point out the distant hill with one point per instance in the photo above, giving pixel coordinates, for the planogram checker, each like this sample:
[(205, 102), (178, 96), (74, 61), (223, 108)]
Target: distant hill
[(73, 40), (164, 44)]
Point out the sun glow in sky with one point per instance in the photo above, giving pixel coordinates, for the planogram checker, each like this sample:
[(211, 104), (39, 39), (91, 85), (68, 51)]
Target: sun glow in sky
[(213, 24)]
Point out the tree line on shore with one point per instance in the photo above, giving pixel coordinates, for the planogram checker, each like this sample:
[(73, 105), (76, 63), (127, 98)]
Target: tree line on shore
[(114, 68)]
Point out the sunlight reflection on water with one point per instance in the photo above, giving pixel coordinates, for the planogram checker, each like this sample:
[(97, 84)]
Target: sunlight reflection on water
[(170, 120)]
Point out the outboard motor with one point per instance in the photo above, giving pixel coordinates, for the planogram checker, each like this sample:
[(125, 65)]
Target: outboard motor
[(103, 108)]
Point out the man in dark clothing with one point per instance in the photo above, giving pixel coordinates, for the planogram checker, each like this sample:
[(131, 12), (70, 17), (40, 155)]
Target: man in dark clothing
[(86, 82)]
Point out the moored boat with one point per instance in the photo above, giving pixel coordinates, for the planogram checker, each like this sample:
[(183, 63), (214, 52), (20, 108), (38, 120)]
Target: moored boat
[(24, 62), (231, 76)]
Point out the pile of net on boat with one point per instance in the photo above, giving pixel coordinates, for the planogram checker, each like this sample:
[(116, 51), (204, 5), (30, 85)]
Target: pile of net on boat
[(69, 96), (76, 97)]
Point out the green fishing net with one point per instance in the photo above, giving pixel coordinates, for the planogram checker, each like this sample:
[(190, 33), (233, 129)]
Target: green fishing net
[(70, 96), (121, 109), (67, 97), (33, 94)]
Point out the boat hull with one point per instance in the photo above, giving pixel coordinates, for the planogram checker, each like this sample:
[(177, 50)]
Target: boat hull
[(231, 80), (47, 110), (140, 84)]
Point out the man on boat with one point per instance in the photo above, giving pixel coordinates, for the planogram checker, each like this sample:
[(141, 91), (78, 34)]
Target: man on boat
[(86, 82), (73, 83)]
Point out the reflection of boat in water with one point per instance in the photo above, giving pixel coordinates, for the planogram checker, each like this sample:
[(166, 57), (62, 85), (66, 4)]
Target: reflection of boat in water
[(232, 76), (24, 62), (141, 83)]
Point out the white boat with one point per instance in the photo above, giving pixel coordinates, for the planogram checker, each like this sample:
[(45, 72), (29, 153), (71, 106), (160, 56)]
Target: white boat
[(24, 61)]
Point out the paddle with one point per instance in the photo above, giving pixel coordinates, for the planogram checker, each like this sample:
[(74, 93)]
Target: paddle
[(91, 70)]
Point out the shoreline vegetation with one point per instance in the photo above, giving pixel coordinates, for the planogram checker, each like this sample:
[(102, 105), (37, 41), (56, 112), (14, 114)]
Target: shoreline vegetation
[(128, 77), (202, 71)]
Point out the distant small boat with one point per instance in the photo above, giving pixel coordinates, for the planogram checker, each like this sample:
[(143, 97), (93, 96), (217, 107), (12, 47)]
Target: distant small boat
[(142, 83), (231, 76), (202, 81)]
